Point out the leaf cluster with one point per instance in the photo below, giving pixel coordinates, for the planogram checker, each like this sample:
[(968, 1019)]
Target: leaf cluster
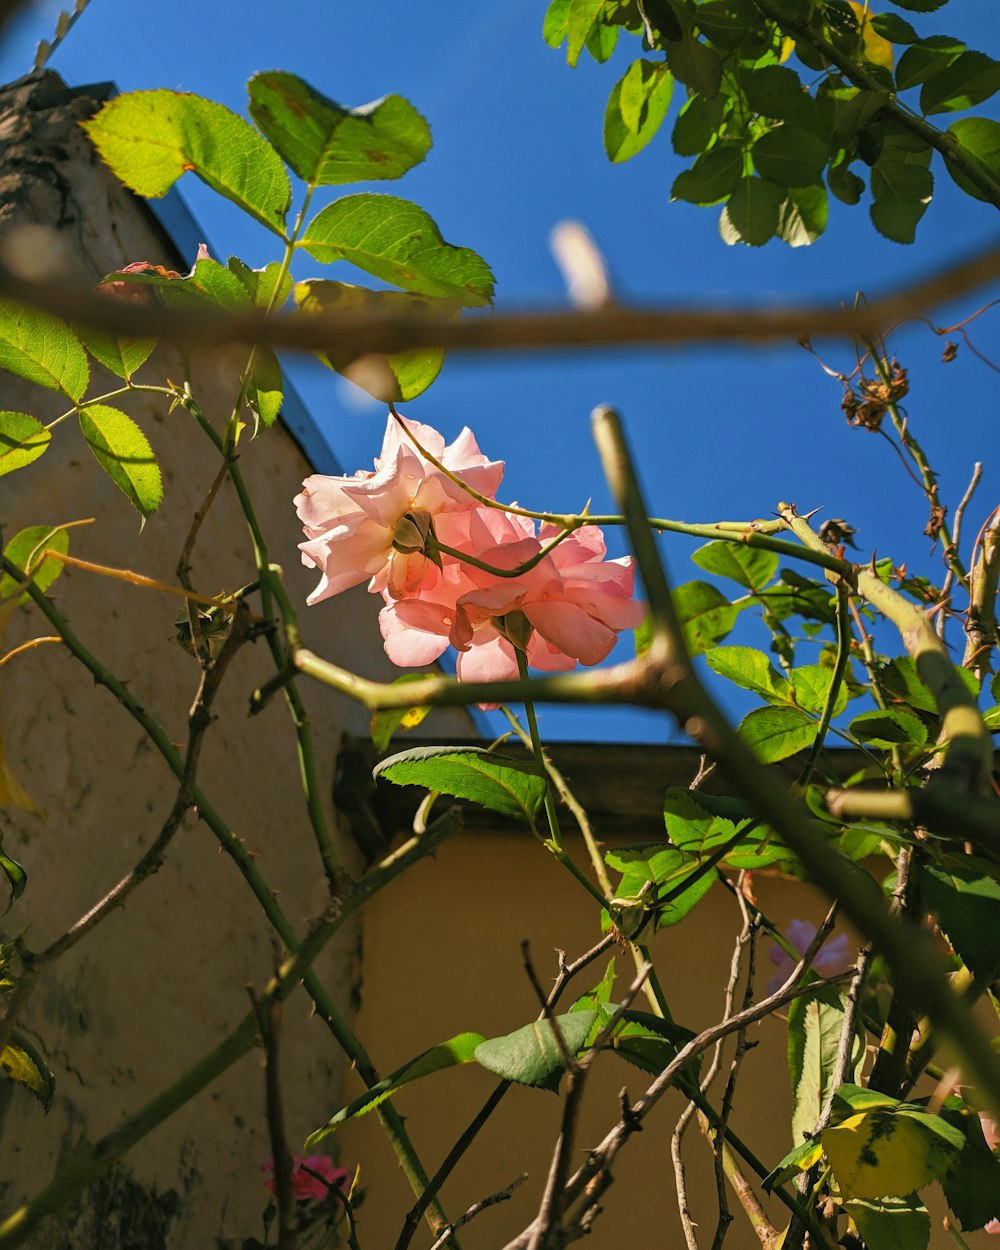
[(788, 102)]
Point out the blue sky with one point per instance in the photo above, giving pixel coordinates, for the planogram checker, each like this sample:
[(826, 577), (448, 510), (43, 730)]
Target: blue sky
[(517, 148)]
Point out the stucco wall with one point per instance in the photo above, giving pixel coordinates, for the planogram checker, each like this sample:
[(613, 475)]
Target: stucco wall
[(164, 978)]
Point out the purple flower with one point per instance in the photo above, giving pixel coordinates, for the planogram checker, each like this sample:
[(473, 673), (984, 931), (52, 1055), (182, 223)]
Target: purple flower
[(832, 956)]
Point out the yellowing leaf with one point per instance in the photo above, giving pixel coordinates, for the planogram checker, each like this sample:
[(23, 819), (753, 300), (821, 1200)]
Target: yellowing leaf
[(889, 1152), (22, 1063), (877, 50)]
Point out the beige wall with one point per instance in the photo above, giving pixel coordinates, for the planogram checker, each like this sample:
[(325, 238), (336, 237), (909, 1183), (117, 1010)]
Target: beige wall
[(164, 978)]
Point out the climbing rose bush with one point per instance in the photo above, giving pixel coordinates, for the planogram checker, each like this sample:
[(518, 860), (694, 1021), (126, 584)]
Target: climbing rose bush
[(411, 529)]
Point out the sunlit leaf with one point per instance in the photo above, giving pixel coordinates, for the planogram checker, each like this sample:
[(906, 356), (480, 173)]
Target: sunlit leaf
[(752, 670), (264, 391), (42, 349), (902, 1223), (705, 613), (790, 156), (966, 903), (752, 567), (398, 242), (22, 439), (27, 551), (150, 138), (327, 144), (503, 785), (122, 356), (776, 733), (636, 108), (980, 141), (752, 212), (124, 453)]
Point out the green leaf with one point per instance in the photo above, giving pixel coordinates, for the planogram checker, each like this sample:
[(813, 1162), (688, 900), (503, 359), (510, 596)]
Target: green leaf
[(696, 65), (532, 1055), (503, 785), (711, 179), (980, 140), (16, 877), (327, 144), (967, 906), (751, 213), (776, 733), (403, 375), (456, 1050), (919, 6), (122, 356), (268, 288), (150, 138), (811, 684), (969, 80), (556, 23), (264, 386), (790, 156), (803, 215), (752, 567), (25, 551), (700, 824), (602, 41), (124, 453), (892, 27), (22, 440), (902, 1223), (42, 349), (23, 1063), (698, 121), (925, 58), (649, 1043), (705, 613), (776, 92), (668, 869), (752, 670), (972, 1183), (901, 194), (799, 1159), (902, 683), (893, 727), (386, 721), (815, 1022), (886, 1149), (636, 108), (398, 242), (845, 185), (580, 18)]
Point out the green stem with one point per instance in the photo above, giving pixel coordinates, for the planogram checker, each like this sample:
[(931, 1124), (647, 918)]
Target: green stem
[(555, 842), (839, 669)]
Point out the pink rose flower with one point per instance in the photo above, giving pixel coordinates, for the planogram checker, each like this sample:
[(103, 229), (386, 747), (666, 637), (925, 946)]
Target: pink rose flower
[(373, 526), (304, 1184), (833, 956)]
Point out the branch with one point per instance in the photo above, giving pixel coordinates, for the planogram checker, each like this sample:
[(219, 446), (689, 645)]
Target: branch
[(608, 326), (981, 625)]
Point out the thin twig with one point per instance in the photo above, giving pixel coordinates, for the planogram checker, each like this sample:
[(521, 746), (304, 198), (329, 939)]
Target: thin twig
[(956, 534), (502, 1195)]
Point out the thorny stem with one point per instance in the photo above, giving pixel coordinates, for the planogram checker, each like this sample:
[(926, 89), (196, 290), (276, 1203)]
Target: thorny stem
[(938, 525), (956, 534), (555, 841)]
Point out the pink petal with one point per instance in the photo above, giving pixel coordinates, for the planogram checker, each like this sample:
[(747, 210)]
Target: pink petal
[(570, 629)]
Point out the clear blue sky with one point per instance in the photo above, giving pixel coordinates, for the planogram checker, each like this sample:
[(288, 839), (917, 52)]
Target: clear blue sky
[(517, 147)]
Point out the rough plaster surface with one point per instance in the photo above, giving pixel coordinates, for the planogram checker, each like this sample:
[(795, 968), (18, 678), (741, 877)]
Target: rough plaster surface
[(165, 977)]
